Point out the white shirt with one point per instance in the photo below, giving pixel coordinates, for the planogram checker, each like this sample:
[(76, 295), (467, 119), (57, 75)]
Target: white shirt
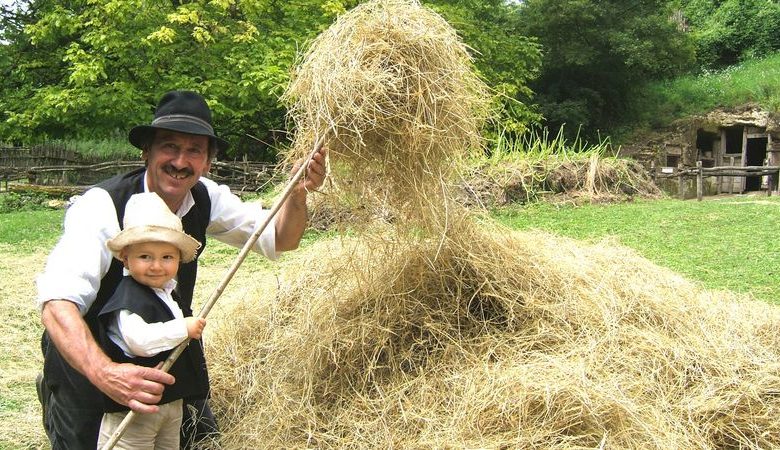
[(80, 259), (137, 338)]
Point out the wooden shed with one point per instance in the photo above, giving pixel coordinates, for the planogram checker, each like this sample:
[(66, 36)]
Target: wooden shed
[(747, 137)]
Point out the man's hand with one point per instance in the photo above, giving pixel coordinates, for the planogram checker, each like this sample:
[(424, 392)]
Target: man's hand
[(315, 171), (138, 387)]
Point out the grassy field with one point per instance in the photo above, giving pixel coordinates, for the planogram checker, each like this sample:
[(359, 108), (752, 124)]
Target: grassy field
[(725, 243)]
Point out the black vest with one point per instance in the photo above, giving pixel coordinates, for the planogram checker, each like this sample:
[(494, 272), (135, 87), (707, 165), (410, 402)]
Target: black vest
[(58, 373), (141, 300)]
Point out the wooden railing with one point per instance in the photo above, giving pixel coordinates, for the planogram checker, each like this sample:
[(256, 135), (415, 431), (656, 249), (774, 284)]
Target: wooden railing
[(699, 172)]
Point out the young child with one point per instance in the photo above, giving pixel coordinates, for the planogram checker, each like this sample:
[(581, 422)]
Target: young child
[(142, 320)]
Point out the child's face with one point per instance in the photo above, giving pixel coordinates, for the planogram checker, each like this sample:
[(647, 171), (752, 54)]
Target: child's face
[(151, 263)]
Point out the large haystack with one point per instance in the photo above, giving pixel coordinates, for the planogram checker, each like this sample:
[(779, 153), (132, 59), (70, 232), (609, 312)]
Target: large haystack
[(494, 339), (445, 331)]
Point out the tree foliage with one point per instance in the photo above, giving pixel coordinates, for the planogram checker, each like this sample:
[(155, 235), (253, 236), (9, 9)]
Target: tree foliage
[(506, 58), (596, 52), (94, 68), (729, 31)]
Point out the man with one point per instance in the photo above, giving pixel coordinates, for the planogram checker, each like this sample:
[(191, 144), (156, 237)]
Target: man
[(80, 274)]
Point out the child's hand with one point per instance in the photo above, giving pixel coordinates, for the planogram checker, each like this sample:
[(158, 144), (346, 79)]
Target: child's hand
[(195, 327)]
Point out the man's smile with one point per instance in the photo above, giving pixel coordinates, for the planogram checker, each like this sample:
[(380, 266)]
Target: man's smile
[(179, 174)]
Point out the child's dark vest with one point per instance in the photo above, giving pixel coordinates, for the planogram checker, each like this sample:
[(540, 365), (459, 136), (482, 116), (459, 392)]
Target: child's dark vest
[(141, 300), (58, 373)]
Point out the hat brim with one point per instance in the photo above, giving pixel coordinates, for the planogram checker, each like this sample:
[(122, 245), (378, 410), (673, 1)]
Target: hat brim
[(187, 245), (140, 135)]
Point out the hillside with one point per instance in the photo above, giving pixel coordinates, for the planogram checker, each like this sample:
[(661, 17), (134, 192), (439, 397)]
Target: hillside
[(755, 81)]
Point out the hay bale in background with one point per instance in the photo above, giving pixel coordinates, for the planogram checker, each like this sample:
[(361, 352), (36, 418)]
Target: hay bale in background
[(395, 87), (595, 179), (498, 339)]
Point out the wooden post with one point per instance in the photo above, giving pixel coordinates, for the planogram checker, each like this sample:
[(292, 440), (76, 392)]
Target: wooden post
[(775, 180), (768, 179), (681, 182), (246, 168), (699, 182), (652, 172), (731, 179)]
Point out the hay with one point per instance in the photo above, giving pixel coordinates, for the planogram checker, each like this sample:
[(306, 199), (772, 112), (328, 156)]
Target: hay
[(395, 88), (495, 339), (438, 329), (595, 179)]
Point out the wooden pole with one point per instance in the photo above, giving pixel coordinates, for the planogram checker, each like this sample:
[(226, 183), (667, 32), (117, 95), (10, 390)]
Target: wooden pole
[(246, 168), (652, 172), (228, 276), (699, 182), (775, 181), (768, 179), (731, 179), (680, 182)]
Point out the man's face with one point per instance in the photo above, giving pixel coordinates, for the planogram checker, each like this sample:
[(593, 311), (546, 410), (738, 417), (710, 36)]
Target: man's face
[(175, 162)]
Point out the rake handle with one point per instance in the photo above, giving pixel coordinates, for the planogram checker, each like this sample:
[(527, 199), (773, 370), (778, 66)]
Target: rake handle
[(221, 287)]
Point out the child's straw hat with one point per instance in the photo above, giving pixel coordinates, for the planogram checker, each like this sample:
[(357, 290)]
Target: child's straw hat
[(148, 219)]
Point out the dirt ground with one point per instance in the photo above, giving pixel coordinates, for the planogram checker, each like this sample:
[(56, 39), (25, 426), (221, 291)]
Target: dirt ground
[(20, 356)]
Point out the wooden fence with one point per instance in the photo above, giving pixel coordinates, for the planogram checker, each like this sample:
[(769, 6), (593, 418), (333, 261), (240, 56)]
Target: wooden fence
[(38, 156), (681, 173), (69, 169)]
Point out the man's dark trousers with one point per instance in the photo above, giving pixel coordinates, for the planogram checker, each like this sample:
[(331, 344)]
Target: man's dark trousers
[(77, 427)]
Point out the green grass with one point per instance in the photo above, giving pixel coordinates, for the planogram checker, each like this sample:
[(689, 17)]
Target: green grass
[(540, 147), (726, 243), (106, 149), (28, 231), (755, 81)]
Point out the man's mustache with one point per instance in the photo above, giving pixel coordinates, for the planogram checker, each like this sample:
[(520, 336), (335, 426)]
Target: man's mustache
[(178, 172)]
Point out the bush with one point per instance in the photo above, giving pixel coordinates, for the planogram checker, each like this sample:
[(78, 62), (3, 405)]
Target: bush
[(728, 32), (25, 201)]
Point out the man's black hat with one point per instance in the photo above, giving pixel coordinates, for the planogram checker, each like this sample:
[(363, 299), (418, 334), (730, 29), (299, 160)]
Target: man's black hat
[(182, 111)]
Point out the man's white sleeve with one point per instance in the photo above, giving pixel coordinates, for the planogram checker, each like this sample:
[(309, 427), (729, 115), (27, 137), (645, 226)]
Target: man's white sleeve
[(234, 221), (80, 259)]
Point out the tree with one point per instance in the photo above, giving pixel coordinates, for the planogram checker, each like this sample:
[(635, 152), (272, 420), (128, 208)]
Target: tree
[(729, 31), (506, 58), (94, 68), (596, 52)]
